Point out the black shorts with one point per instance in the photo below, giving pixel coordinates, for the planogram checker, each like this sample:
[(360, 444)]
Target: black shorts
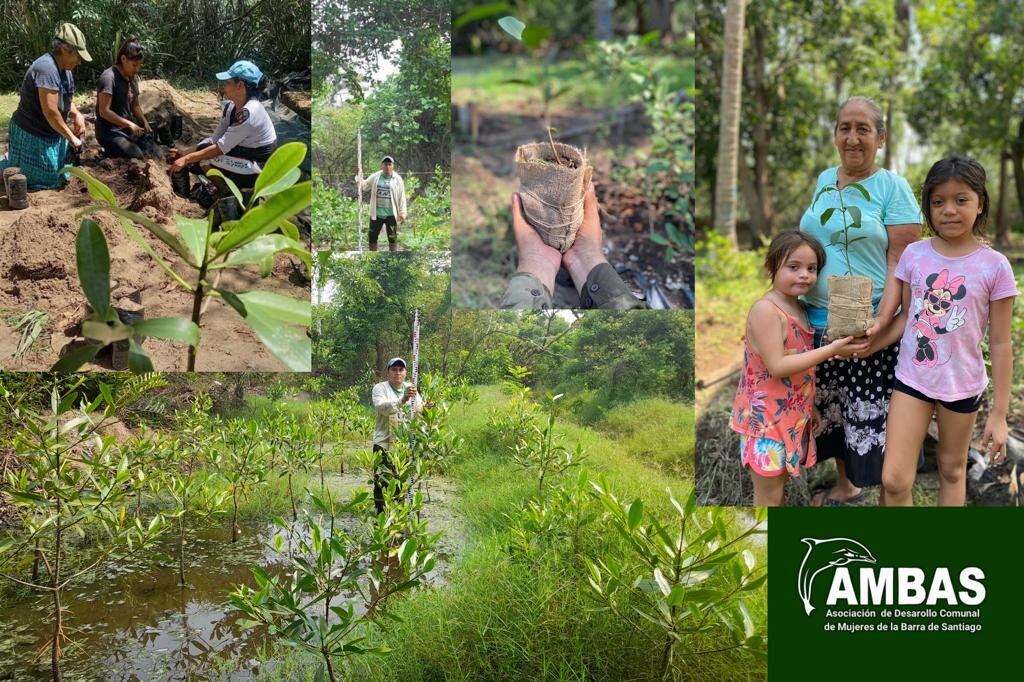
[(964, 406)]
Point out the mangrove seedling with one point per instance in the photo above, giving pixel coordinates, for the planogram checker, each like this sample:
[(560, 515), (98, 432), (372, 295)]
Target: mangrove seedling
[(261, 233)]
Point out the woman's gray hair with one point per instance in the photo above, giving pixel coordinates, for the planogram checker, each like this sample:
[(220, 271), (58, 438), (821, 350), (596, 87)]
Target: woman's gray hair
[(871, 104), (58, 46)]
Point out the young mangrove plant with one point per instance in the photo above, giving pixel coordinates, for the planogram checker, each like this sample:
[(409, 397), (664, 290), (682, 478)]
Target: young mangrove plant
[(257, 237), (72, 480), (684, 576), (298, 453), (241, 462), (540, 448), (313, 607)]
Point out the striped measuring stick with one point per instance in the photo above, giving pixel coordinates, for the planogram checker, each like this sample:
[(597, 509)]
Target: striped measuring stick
[(415, 382)]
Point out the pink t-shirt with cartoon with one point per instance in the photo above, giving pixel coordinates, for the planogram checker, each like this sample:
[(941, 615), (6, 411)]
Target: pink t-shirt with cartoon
[(940, 354)]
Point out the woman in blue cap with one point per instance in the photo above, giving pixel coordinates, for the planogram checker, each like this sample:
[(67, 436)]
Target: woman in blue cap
[(244, 138), (46, 123)]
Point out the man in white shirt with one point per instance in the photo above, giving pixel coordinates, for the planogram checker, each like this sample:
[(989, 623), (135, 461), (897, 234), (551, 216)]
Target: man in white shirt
[(391, 400), (387, 202)]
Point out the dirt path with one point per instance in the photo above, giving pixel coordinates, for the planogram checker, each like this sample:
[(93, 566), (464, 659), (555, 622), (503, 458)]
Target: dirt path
[(38, 268)]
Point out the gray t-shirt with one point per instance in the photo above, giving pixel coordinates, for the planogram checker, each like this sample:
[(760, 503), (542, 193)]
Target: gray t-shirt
[(43, 74), (123, 94)]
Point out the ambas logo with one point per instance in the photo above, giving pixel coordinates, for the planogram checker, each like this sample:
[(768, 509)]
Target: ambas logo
[(887, 585), (824, 554)]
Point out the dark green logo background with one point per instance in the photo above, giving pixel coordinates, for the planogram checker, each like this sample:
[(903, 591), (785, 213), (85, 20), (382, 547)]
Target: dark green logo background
[(987, 538)]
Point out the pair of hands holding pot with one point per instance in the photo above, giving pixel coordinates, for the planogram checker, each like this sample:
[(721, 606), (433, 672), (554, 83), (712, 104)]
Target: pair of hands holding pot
[(543, 261)]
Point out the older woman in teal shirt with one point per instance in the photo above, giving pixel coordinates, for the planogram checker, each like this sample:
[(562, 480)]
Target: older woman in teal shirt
[(852, 394)]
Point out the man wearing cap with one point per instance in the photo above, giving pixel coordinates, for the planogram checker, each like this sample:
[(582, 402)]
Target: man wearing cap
[(245, 137), (46, 124), (390, 400), (387, 196)]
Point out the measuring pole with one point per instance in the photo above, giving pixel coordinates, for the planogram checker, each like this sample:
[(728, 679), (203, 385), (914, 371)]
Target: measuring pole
[(416, 383), (359, 162)]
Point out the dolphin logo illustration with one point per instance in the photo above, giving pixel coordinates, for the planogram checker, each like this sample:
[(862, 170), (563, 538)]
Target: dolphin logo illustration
[(823, 554)]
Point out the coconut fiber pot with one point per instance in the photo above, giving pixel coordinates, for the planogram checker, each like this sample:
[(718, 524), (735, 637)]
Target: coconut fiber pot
[(551, 189)]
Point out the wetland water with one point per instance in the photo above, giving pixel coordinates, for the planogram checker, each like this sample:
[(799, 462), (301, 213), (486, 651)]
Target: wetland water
[(133, 622)]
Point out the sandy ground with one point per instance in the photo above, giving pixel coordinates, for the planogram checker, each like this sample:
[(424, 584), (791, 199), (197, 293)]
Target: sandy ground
[(38, 270)]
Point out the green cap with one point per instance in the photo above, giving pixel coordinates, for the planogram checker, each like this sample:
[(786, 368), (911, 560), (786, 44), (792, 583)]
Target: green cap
[(73, 36)]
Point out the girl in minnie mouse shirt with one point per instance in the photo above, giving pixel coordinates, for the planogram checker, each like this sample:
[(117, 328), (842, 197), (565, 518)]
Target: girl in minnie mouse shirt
[(953, 286)]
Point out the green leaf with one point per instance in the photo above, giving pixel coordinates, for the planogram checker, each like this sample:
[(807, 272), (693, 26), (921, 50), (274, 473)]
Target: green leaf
[(195, 232), (659, 239), (857, 239), (171, 328), (213, 172), (826, 214), (93, 261), (266, 217), (528, 82), (231, 298), (97, 190), (105, 332), (675, 597), (855, 215), (269, 244), (76, 358), (154, 228), (138, 362), (824, 190), (480, 12), (278, 168), (512, 26), (860, 188), (533, 36), (837, 237), (274, 319), (635, 514), (289, 230), (289, 179)]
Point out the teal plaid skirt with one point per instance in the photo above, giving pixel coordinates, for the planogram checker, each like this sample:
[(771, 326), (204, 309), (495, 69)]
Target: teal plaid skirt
[(38, 158)]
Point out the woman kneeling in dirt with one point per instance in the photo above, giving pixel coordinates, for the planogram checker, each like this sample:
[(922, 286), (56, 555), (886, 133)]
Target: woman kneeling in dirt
[(120, 123), (39, 134), (245, 137)]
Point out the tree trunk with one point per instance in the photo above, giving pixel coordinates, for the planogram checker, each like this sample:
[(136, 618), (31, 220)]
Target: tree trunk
[(659, 16), (1002, 223), (603, 19), (759, 200), (1017, 149), (729, 128)]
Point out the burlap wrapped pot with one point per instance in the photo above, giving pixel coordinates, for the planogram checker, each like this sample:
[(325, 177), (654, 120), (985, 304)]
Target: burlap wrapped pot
[(552, 190), (849, 306)]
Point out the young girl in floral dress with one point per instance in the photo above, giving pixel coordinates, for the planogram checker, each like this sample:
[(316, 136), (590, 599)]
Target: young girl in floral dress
[(774, 406)]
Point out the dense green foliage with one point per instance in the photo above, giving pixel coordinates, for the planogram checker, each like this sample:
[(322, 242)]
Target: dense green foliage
[(406, 115), (189, 40)]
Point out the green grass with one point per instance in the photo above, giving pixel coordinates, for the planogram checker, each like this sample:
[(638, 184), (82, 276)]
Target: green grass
[(501, 618), (654, 430), (485, 79)]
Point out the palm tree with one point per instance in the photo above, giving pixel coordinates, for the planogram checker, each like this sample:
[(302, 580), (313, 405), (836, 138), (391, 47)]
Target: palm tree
[(729, 129)]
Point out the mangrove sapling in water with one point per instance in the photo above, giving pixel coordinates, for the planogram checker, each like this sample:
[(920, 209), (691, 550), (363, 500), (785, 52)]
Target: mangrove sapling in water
[(73, 478), (303, 608), (193, 491), (325, 424), (685, 576), (278, 321), (298, 453), (242, 462)]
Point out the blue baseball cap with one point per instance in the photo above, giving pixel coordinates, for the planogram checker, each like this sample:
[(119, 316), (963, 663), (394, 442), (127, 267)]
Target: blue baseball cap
[(244, 70)]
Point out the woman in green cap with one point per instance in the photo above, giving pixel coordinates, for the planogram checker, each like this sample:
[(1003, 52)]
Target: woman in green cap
[(47, 123)]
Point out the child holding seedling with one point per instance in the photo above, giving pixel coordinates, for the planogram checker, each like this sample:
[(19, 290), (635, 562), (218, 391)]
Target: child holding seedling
[(953, 285), (774, 407)]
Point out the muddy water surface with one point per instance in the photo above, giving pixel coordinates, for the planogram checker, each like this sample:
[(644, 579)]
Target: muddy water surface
[(133, 622)]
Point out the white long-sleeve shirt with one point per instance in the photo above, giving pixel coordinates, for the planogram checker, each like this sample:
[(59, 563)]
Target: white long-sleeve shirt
[(387, 402), (397, 185)]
